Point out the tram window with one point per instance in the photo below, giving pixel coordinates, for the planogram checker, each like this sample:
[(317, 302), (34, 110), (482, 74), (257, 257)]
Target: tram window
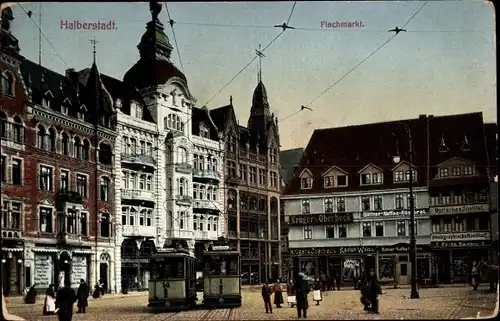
[(171, 268), (222, 265)]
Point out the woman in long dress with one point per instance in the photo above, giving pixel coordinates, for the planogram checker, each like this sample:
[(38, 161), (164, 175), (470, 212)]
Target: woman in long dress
[(278, 294), (291, 298), (49, 306), (317, 292)]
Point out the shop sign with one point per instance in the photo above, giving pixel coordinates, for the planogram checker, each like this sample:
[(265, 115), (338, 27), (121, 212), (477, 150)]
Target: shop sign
[(404, 248), (459, 209), (318, 219), (319, 251), (459, 244), (466, 236), (78, 270), (394, 213), (44, 270)]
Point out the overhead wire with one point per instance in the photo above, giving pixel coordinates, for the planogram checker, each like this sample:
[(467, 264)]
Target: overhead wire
[(171, 22), (356, 66)]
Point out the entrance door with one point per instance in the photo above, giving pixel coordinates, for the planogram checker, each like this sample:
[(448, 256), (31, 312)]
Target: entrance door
[(404, 272), (103, 274)]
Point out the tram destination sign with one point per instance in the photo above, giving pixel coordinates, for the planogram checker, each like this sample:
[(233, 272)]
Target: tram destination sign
[(319, 219)]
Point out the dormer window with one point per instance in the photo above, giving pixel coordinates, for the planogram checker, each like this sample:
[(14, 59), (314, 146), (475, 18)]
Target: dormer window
[(137, 111), (443, 172), (371, 175), (204, 131), (329, 181), (46, 102), (306, 183), (64, 109), (469, 170)]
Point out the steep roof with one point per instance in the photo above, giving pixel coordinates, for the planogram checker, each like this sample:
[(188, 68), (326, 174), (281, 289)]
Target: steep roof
[(289, 159), (491, 130), (202, 115), (220, 116)]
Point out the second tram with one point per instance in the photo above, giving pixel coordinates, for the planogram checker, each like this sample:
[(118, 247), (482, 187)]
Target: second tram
[(173, 279), (221, 277)]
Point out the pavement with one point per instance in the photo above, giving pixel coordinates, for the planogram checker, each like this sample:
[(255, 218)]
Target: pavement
[(434, 303)]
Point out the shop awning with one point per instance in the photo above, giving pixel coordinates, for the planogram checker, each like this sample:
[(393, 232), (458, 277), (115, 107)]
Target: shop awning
[(12, 249), (45, 250)]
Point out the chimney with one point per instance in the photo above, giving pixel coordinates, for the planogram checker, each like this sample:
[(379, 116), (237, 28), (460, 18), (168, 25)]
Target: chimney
[(422, 116), (70, 72)]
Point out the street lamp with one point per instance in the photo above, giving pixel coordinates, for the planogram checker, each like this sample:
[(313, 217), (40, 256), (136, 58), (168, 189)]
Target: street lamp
[(413, 243)]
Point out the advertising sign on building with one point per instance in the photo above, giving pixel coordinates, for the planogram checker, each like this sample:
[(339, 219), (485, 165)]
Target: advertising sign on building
[(318, 219), (78, 270), (44, 270), (394, 213), (464, 244), (458, 209), (465, 236)]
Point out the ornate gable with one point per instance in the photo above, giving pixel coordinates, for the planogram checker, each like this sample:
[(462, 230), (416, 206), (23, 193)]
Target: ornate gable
[(370, 168)]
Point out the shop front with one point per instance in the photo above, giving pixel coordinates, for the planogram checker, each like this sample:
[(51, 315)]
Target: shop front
[(12, 270), (453, 260)]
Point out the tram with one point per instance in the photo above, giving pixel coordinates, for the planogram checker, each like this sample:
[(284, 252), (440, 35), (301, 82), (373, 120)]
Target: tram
[(221, 277), (172, 285)]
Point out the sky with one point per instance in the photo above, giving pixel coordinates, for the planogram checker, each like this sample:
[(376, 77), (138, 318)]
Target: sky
[(443, 64)]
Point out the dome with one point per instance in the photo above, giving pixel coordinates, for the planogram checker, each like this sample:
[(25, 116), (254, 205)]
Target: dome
[(151, 72)]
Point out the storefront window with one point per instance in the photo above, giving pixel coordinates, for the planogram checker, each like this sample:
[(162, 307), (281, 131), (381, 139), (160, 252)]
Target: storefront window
[(352, 269), (308, 267), (386, 268), (460, 268), (423, 268)]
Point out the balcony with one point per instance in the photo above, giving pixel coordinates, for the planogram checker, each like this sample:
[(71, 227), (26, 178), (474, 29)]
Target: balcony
[(184, 168), (68, 239), (63, 197), (205, 235), (183, 199), (146, 160), (138, 231), (137, 195), (180, 234), (10, 234), (205, 204), (206, 174), (232, 180)]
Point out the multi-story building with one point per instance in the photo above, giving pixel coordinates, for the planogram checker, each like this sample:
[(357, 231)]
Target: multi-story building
[(65, 125), (253, 186), (459, 194), (347, 205), (492, 141)]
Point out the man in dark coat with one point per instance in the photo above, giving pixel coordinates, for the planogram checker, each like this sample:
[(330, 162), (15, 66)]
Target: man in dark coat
[(301, 292), (374, 290), (65, 299), (83, 295), (266, 296)]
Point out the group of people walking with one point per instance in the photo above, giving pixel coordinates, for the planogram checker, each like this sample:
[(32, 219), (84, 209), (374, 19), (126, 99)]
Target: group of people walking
[(62, 302)]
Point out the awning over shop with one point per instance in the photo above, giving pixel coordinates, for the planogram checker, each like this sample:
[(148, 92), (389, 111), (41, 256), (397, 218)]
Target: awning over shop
[(13, 249), (45, 250)]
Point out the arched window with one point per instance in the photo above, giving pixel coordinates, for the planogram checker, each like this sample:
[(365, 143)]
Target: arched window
[(77, 148), (52, 140), (41, 140), (131, 217), (183, 155), (195, 222), (216, 224), (105, 184), (105, 225), (214, 193), (17, 129), (86, 150), (273, 155), (8, 84), (105, 154), (3, 125), (65, 144)]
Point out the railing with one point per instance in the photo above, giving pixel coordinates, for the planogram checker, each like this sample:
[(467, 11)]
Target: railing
[(201, 235), (137, 194), (65, 196), (148, 231), (147, 160), (12, 234), (185, 199), (206, 173), (183, 168)]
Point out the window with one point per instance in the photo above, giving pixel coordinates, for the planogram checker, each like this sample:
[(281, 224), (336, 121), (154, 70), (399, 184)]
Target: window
[(328, 181), (204, 132), (81, 185), (16, 171), (209, 224), (174, 122), (414, 177), (330, 232), (86, 150), (366, 179), (483, 223), (77, 148), (274, 179), (377, 178), (379, 228), (243, 172), (456, 171), (365, 203), (459, 224), (342, 230), (7, 84), (215, 224), (71, 223), (124, 215), (468, 170), (83, 223), (401, 228), (443, 172), (399, 201), (12, 215), (274, 156), (181, 221), (377, 202), (252, 175), (138, 111), (142, 181), (408, 200), (149, 183), (341, 180), (3, 170), (142, 217), (64, 180), (328, 205), (17, 130), (367, 229), (41, 140), (262, 177), (45, 220), (306, 207), (436, 227), (105, 189), (45, 178), (52, 140), (65, 144), (308, 232), (132, 147), (149, 218), (447, 225), (195, 222), (131, 216), (398, 176), (81, 114), (340, 204), (3, 125), (306, 183)]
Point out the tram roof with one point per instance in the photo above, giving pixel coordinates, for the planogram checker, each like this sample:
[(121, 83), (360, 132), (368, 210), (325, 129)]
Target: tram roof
[(223, 252)]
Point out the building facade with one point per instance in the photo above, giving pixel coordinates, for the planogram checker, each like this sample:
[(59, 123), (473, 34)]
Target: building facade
[(253, 186), (65, 123), (459, 195), (347, 208)]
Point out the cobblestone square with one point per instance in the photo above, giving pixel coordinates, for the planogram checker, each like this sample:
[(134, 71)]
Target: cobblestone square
[(440, 303)]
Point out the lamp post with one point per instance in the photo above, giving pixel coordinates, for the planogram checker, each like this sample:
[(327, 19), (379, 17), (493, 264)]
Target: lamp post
[(413, 242)]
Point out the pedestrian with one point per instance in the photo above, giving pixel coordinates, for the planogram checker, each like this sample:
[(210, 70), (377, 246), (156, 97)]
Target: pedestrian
[(49, 306), (278, 294), (291, 299), (301, 292), (374, 290), (65, 299), (475, 275), (266, 296), (323, 281), (317, 291), (364, 288), (102, 286), (83, 295), (30, 297), (338, 278)]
